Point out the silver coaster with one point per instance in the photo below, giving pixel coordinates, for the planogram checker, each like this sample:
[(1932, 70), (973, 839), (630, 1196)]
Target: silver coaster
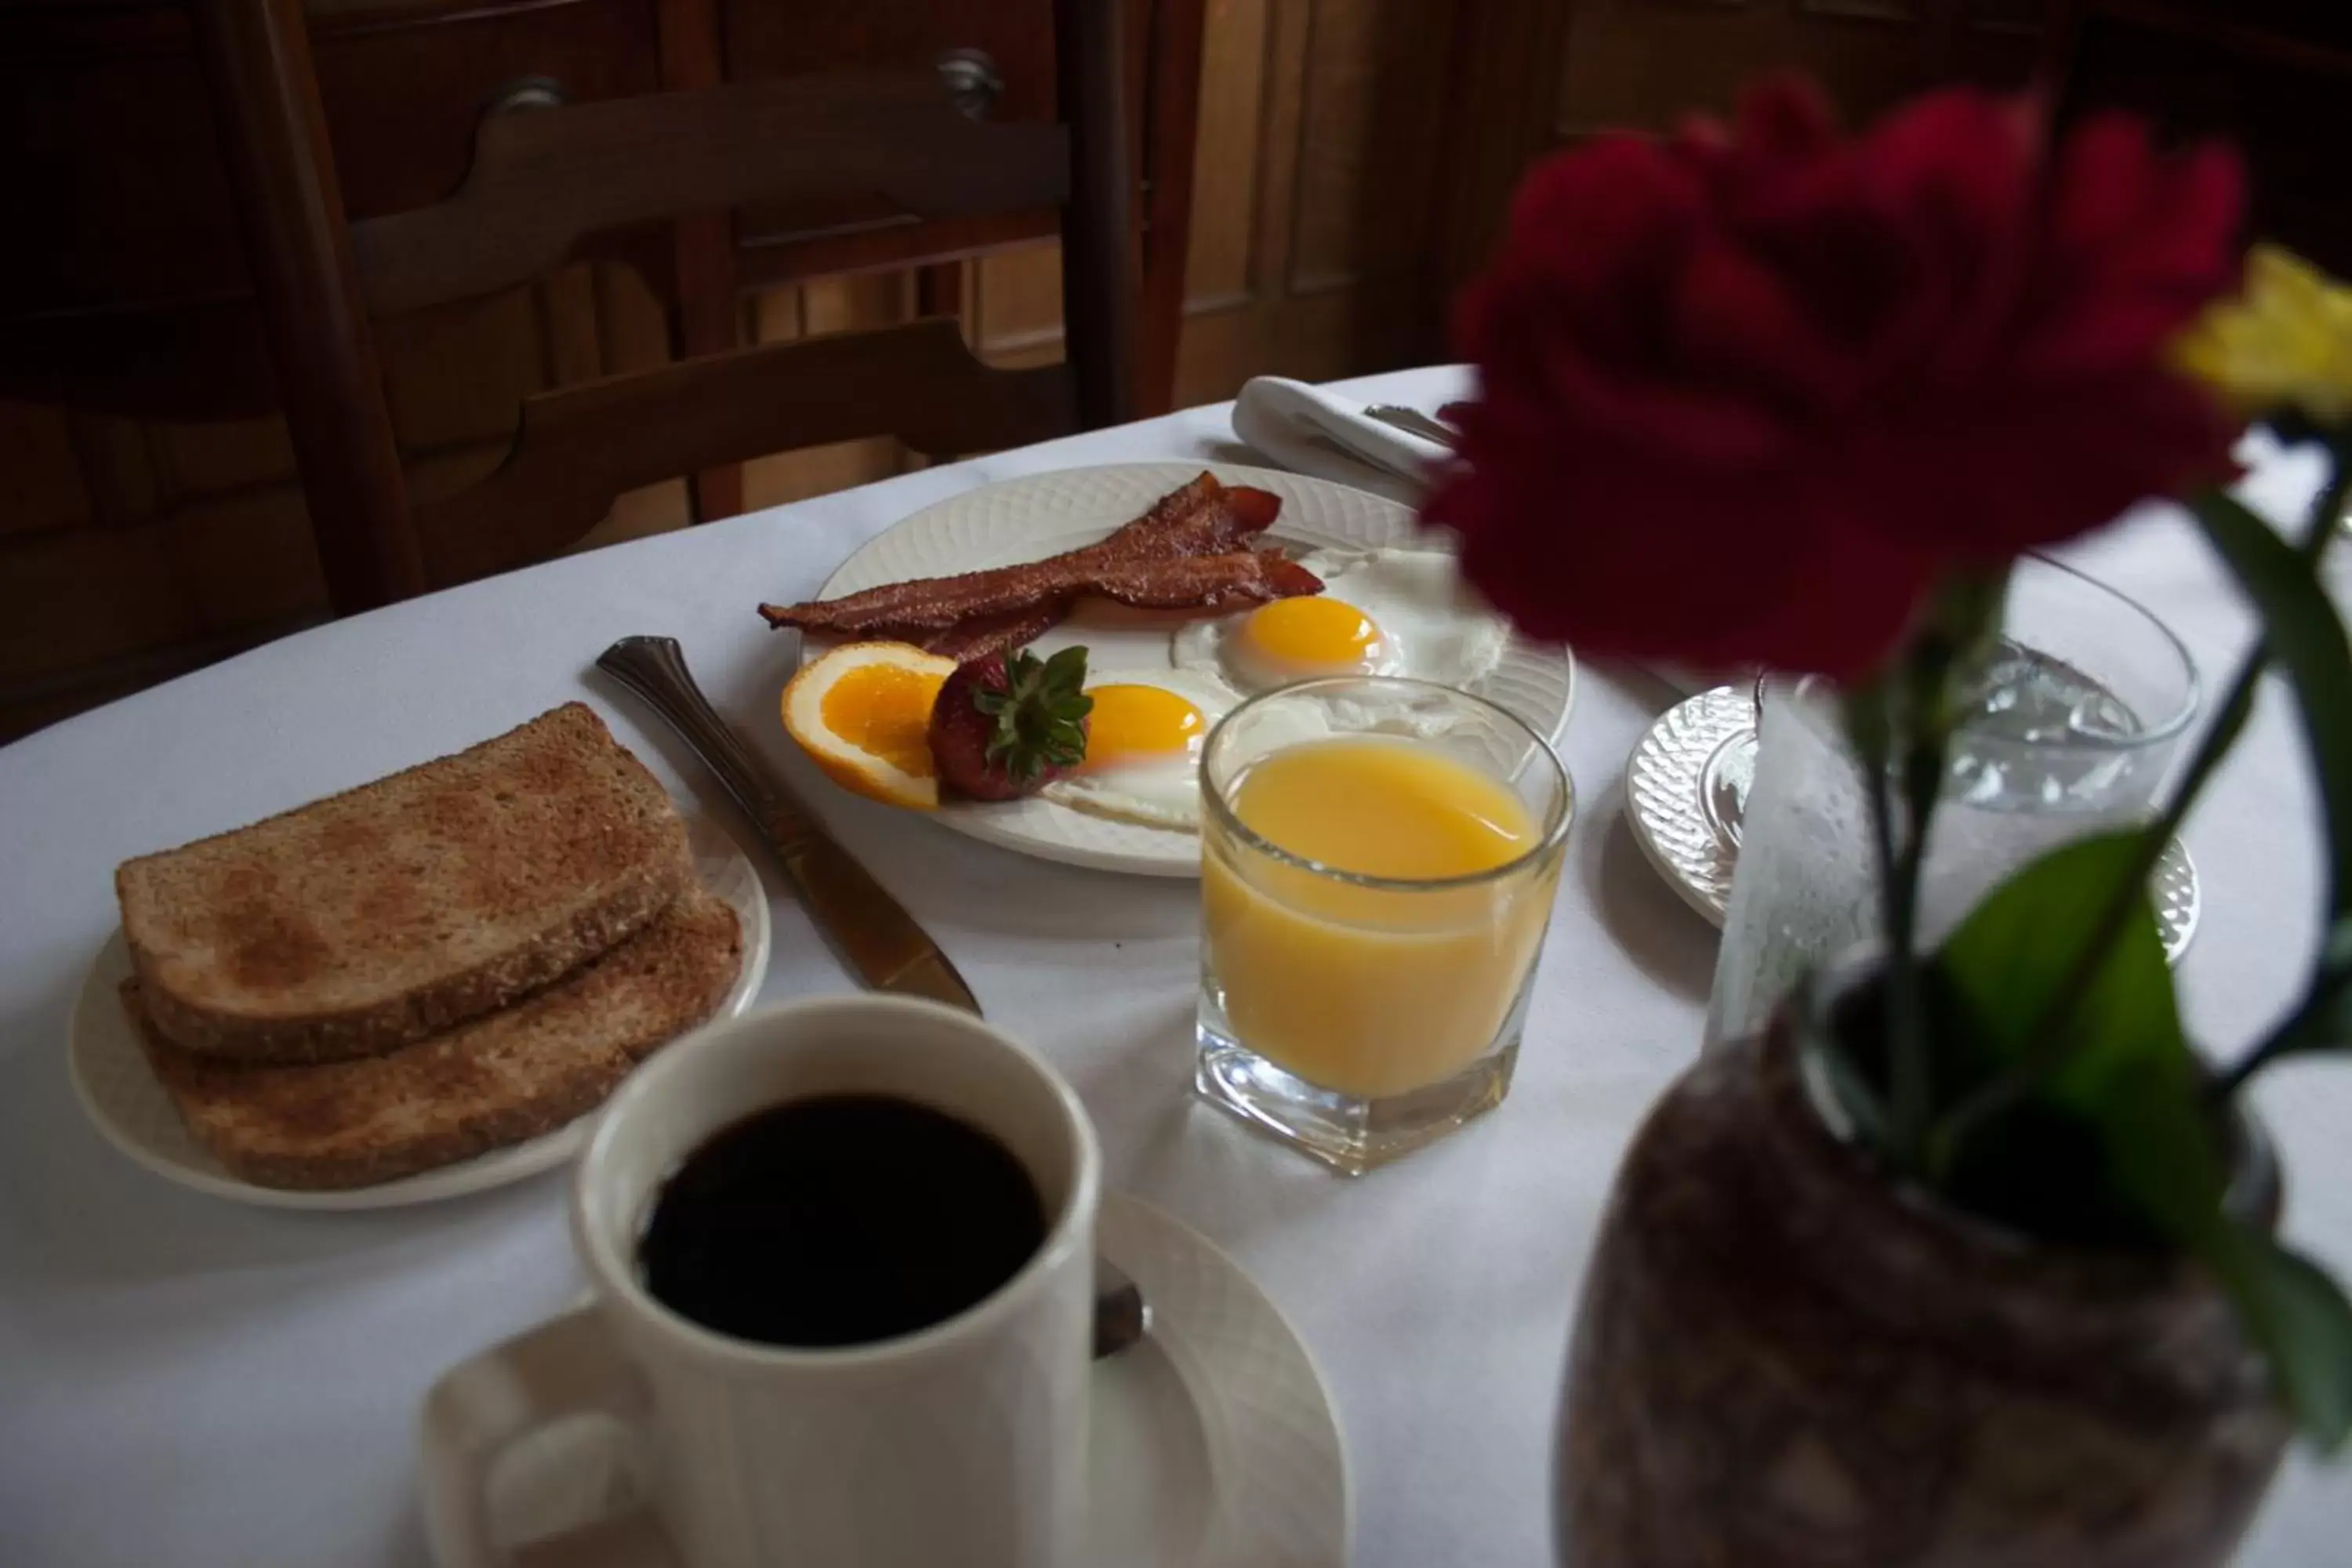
[(1686, 791)]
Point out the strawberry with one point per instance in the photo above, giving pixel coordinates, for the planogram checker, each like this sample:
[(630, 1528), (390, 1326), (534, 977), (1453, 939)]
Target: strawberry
[(1006, 726)]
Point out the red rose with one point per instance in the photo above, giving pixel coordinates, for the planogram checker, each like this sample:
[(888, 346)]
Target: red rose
[(1746, 393)]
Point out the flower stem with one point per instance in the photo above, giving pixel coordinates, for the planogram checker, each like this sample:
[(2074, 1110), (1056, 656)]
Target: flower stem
[(1899, 881), (1926, 742), (1910, 713), (2048, 1044)]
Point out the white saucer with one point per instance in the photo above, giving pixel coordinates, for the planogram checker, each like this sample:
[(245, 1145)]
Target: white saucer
[(1214, 1445), (1686, 790), (1038, 515), (119, 1092)]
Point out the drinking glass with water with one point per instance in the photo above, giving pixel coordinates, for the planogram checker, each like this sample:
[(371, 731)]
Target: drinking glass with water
[(2074, 726)]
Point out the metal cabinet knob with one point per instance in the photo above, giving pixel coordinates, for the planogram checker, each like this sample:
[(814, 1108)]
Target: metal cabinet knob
[(524, 93), (972, 80)]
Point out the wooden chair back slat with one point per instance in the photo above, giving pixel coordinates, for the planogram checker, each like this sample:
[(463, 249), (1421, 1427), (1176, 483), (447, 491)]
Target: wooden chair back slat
[(544, 180), (578, 446), (273, 133)]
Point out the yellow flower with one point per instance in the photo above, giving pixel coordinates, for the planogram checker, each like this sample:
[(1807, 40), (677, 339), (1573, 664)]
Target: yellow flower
[(2284, 343)]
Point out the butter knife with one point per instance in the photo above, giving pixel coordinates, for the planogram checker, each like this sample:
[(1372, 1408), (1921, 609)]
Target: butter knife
[(872, 932), (1413, 421)]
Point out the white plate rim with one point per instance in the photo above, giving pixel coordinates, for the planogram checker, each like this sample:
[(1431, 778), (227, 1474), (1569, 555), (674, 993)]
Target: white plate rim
[(1132, 848), (1274, 1438), (1203, 1304), (1662, 783), (98, 1027)]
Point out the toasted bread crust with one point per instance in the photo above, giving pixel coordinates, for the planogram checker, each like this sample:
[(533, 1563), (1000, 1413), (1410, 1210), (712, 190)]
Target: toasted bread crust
[(493, 1082), (375, 918)]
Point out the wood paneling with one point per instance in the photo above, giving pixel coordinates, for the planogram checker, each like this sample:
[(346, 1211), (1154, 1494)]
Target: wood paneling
[(121, 474), (1647, 62), (40, 480), (1317, 190), (233, 455), (1317, 181), (1017, 305), (1225, 154), (1373, 95), (158, 593)]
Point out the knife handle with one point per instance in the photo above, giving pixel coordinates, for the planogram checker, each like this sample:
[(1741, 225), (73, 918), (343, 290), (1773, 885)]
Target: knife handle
[(877, 936), (655, 668)]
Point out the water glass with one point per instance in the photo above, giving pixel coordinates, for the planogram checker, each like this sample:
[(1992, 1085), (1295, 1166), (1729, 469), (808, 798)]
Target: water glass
[(2075, 731)]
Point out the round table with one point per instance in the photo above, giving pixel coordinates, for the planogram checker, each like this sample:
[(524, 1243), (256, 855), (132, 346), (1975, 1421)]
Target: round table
[(184, 1380)]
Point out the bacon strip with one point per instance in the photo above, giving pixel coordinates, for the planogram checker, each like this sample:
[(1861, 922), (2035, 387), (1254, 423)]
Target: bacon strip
[(1190, 581), (985, 634), (981, 610)]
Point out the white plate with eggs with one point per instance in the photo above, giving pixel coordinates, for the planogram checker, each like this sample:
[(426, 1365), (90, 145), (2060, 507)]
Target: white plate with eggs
[(1391, 604)]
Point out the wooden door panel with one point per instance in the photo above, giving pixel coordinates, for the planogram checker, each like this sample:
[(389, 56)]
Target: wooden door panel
[(1369, 103), (1016, 305), (1317, 178), (1226, 154), (1315, 174)]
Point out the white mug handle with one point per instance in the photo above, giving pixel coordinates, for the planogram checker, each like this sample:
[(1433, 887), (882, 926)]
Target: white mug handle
[(480, 1413)]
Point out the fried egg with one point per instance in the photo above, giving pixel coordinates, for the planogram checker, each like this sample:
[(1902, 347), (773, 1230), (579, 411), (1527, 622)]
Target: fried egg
[(1143, 746), (1381, 612)]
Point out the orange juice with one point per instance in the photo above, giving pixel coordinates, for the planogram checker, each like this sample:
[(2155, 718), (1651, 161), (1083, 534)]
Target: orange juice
[(1376, 988)]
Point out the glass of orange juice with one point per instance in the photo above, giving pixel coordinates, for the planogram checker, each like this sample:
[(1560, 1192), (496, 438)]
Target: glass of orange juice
[(1379, 858)]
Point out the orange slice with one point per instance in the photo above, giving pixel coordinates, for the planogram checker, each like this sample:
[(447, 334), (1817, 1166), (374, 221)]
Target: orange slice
[(863, 712)]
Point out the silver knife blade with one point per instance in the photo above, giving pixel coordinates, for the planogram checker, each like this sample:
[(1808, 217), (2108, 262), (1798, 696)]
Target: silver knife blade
[(872, 932), (1413, 421)]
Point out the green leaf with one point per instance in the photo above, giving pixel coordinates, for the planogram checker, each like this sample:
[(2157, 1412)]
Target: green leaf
[(2009, 958), (2300, 1319), (2122, 1124), (2308, 640), (2110, 1142)]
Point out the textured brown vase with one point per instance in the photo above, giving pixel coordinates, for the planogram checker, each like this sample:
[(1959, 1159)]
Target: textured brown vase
[(1781, 1360)]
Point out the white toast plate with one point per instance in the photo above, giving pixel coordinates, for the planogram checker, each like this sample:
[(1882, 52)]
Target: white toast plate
[(120, 1095), (1039, 515)]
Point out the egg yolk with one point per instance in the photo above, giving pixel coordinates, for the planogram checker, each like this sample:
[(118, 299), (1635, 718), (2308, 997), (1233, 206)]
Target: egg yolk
[(1139, 720), (1312, 633)]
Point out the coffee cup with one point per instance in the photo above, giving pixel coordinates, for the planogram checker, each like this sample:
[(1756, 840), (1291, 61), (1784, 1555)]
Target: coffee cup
[(963, 1440)]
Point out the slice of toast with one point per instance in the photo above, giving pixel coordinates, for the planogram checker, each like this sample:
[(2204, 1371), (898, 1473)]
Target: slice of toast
[(358, 924), (496, 1081)]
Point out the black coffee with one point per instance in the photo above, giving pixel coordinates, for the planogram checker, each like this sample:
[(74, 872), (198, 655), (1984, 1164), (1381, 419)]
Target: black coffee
[(839, 1220)]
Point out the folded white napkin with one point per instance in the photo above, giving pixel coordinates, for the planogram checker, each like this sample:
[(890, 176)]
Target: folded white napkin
[(1310, 431)]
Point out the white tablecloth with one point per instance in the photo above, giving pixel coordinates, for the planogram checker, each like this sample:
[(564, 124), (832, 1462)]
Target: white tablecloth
[(187, 1382)]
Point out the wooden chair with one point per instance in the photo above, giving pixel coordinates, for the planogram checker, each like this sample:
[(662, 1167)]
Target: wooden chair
[(545, 180)]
